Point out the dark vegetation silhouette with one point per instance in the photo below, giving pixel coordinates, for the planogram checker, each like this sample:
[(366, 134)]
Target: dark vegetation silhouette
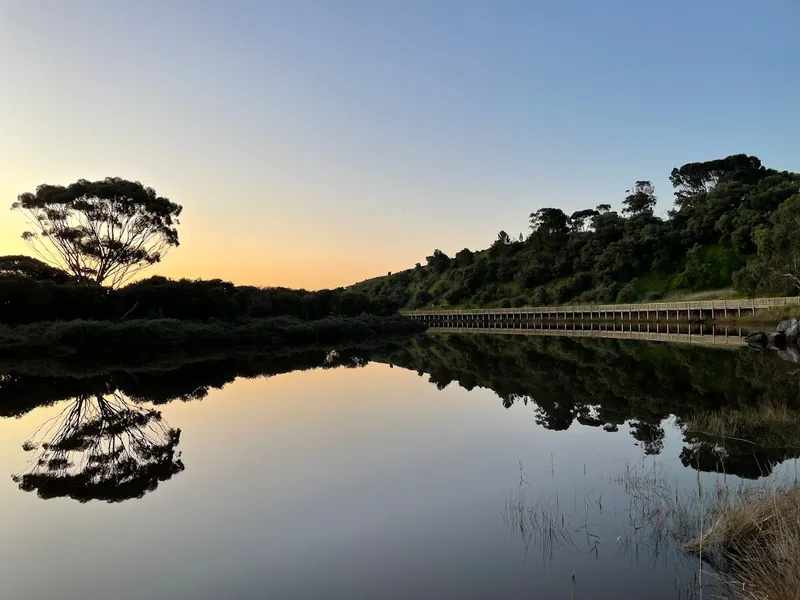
[(93, 237), (142, 336), (99, 231), (734, 223), (31, 294)]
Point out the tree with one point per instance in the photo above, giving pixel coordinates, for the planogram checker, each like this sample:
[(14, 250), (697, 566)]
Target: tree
[(580, 219), (693, 179), (776, 266), (549, 230), (640, 200), (100, 231), (503, 239), (27, 266), (464, 257), (549, 221), (438, 261)]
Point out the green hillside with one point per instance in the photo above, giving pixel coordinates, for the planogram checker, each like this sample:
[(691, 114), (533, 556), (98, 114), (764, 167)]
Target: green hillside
[(735, 223)]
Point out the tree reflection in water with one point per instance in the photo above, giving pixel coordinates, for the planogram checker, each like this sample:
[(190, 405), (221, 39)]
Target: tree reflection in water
[(101, 447), (106, 446)]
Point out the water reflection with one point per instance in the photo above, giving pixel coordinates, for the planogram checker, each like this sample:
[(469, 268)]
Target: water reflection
[(606, 383), (682, 332), (367, 481), (107, 445), (101, 447)]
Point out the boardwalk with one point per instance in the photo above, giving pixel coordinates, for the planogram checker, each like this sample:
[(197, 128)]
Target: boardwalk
[(708, 309)]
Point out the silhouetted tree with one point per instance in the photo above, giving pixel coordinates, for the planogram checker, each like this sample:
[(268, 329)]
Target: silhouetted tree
[(99, 231), (580, 220), (464, 258), (27, 266), (640, 200), (438, 261)]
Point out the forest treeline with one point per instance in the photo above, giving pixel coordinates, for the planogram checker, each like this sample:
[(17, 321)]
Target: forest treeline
[(734, 223), (32, 291)]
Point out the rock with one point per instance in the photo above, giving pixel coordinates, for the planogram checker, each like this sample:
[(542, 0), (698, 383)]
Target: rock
[(785, 326), (757, 340), (791, 354), (792, 333), (776, 340)]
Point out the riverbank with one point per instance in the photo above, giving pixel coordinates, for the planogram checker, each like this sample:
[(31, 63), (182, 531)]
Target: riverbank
[(65, 338), (755, 538)]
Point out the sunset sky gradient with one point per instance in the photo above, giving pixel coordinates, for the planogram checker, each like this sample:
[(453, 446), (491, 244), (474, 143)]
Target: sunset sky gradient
[(315, 144)]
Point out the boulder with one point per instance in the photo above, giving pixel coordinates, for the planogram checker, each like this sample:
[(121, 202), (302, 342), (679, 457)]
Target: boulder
[(757, 340), (785, 326), (792, 333), (776, 340), (792, 354)]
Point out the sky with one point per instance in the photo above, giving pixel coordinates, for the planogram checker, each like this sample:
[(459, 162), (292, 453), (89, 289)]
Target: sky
[(318, 143)]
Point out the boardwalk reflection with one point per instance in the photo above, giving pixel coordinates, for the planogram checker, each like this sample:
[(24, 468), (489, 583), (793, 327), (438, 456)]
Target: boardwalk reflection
[(689, 333)]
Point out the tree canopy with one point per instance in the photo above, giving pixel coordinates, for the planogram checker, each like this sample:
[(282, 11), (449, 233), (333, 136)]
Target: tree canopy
[(27, 266), (99, 231), (34, 297)]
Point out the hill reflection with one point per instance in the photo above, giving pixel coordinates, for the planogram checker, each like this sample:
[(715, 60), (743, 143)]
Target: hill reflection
[(610, 382)]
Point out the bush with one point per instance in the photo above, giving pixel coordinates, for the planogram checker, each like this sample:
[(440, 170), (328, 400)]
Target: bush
[(29, 300), (540, 297), (628, 293)]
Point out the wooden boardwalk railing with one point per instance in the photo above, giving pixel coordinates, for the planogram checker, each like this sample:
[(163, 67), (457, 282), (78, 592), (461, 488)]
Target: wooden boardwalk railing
[(587, 312)]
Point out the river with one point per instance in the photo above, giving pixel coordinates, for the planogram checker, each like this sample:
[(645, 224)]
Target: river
[(464, 465)]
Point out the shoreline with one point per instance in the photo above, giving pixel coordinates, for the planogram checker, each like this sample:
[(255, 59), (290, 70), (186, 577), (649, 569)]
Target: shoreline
[(64, 339)]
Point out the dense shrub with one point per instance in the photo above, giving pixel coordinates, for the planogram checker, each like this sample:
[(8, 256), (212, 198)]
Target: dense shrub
[(27, 300)]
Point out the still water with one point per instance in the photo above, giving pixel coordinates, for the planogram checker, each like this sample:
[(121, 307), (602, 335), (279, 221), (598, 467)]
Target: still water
[(448, 466)]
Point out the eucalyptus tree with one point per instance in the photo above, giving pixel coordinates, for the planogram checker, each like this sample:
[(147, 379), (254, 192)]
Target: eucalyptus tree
[(99, 231)]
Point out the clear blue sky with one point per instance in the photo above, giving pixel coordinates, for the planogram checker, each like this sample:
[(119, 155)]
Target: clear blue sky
[(318, 143)]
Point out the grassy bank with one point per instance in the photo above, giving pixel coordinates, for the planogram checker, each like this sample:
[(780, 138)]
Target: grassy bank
[(757, 534), (749, 534), (137, 336)]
